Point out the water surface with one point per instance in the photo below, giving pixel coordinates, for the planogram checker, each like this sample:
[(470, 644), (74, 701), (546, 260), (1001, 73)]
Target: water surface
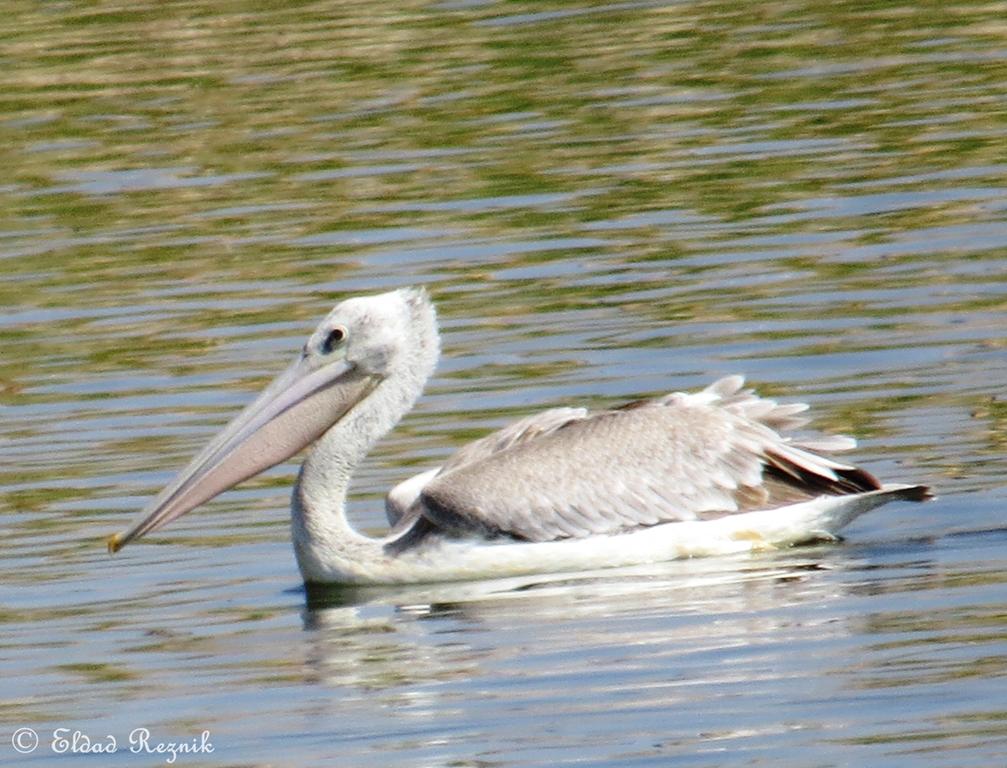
[(606, 201)]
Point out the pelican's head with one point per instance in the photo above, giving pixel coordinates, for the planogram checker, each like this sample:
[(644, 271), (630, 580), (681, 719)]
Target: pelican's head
[(361, 343)]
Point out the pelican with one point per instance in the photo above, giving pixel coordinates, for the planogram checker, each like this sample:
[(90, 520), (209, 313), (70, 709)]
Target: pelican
[(683, 475)]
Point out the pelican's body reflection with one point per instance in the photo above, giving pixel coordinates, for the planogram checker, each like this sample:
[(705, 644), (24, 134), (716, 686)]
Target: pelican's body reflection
[(664, 614)]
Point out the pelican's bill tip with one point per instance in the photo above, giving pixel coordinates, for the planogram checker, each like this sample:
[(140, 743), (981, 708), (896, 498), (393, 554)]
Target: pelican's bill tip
[(115, 542)]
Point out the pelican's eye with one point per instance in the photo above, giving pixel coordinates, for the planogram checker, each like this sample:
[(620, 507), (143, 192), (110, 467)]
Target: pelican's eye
[(335, 339)]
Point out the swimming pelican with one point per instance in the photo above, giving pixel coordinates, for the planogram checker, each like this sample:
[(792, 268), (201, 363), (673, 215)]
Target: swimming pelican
[(681, 475)]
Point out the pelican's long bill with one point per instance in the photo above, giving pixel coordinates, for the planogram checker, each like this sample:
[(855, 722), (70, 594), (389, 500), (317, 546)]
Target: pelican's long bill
[(293, 411)]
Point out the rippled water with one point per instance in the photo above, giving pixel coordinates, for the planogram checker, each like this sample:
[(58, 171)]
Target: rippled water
[(606, 201)]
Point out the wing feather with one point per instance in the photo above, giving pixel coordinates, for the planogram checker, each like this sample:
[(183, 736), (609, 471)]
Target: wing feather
[(565, 473), (401, 500), (521, 431)]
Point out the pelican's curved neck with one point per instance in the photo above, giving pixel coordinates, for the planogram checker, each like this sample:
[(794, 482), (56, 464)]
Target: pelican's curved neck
[(325, 543)]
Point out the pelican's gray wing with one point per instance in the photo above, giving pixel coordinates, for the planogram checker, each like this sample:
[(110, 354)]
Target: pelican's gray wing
[(400, 501), (679, 457), (521, 431)]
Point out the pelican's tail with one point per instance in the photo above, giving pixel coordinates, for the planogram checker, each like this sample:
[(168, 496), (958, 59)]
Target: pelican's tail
[(839, 511), (907, 492)]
